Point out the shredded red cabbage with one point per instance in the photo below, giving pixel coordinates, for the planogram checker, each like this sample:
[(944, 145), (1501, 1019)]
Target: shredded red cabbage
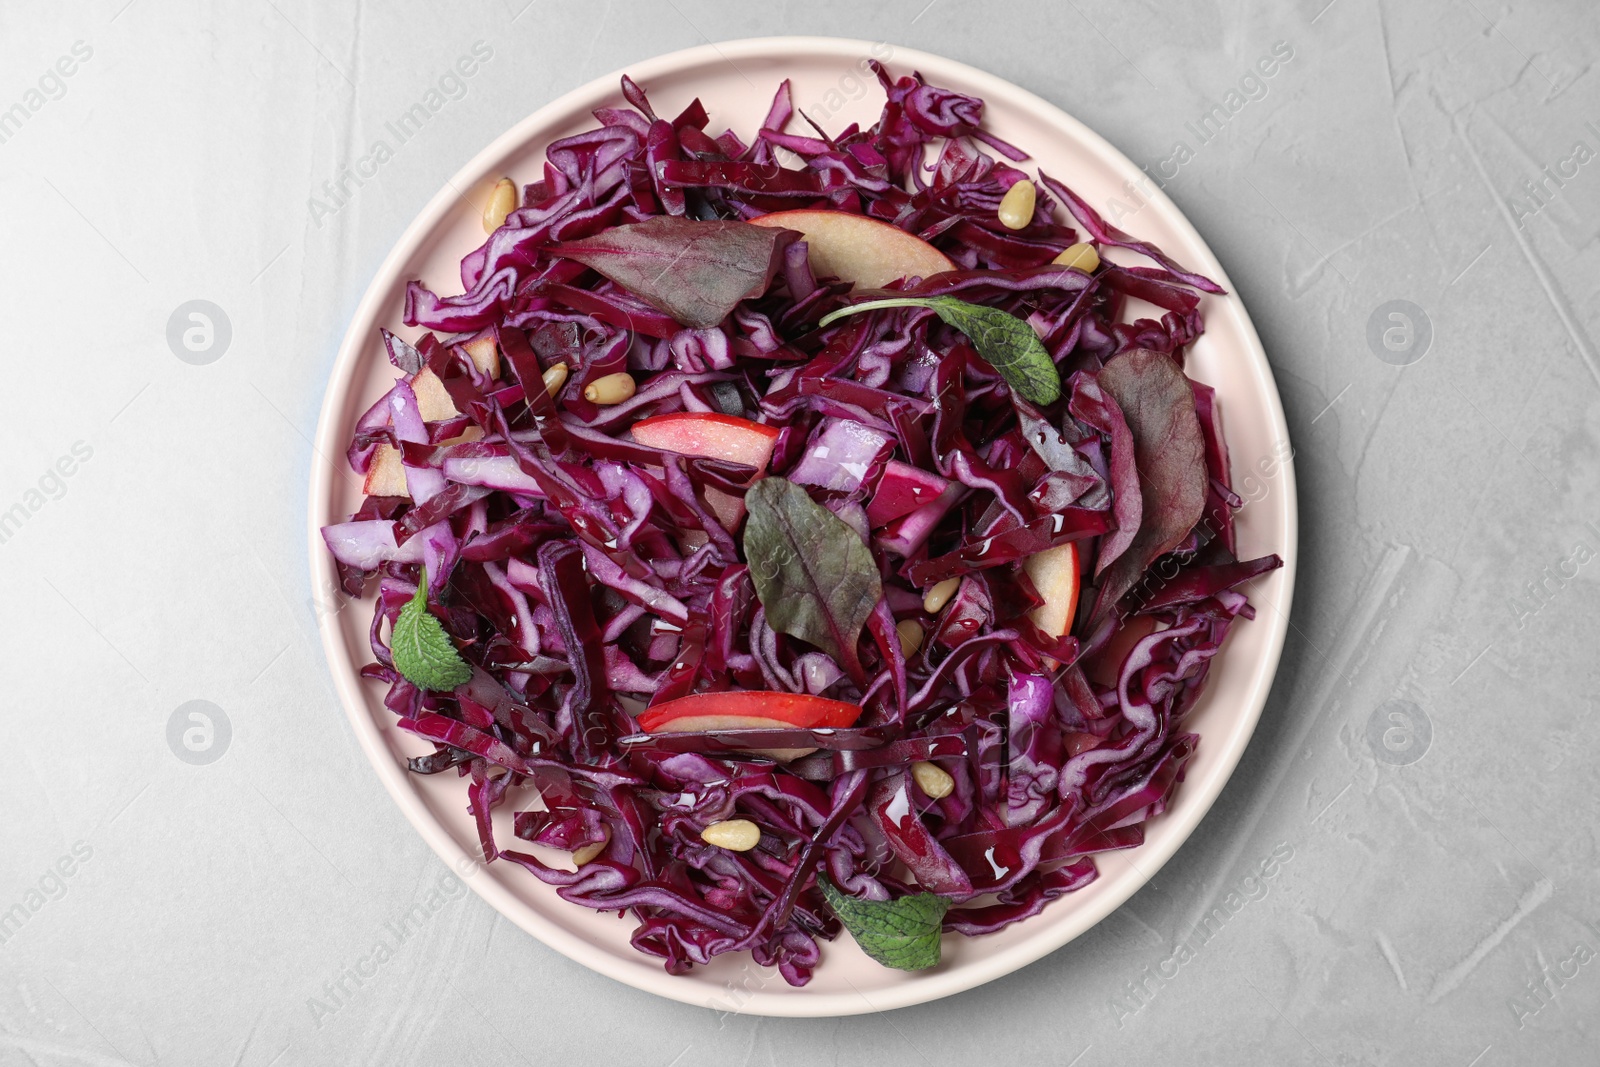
[(585, 574)]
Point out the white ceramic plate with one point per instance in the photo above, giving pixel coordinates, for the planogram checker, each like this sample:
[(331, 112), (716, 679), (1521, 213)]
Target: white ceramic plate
[(832, 83)]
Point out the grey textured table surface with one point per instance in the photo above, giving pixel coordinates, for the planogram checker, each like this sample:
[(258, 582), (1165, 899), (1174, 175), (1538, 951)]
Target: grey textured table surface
[(1406, 858)]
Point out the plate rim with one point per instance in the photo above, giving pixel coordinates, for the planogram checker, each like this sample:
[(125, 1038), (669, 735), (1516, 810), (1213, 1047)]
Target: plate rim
[(330, 440)]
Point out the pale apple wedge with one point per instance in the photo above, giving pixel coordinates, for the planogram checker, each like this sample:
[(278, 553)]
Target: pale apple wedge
[(857, 249), (387, 476), (746, 710), (1054, 573), (695, 433), (485, 355), (433, 402)]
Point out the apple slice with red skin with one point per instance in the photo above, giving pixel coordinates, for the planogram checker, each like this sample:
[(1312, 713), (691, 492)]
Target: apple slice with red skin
[(1054, 574), (901, 490), (774, 711), (750, 710), (855, 248), (714, 436), (705, 433)]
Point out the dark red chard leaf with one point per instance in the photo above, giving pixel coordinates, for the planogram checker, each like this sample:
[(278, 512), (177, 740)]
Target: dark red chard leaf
[(1158, 405), (1222, 500), (694, 271), (1090, 403), (814, 575), (1197, 583)]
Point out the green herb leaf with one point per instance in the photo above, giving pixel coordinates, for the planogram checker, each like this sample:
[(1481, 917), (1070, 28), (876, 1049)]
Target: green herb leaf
[(422, 651), (903, 933), (1007, 342), (694, 271), (813, 574)]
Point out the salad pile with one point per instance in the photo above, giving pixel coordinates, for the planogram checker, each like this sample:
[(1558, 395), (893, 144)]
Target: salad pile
[(790, 532)]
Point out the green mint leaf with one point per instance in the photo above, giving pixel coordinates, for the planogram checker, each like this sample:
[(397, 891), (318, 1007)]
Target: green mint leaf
[(422, 651), (1005, 341), (902, 933), (813, 574)]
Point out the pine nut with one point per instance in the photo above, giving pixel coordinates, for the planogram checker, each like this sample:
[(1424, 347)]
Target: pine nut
[(1016, 208), (610, 389), (502, 202), (940, 595), (910, 636), (555, 378), (933, 779), (1080, 257), (588, 853), (735, 835)]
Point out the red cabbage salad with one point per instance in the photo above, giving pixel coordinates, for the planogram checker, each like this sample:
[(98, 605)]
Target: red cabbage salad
[(789, 533)]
